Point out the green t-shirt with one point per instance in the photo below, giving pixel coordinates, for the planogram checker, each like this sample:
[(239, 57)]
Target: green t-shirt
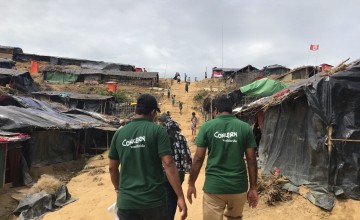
[(227, 139), (139, 147)]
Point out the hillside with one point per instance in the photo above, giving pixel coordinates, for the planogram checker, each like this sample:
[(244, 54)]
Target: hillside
[(88, 180)]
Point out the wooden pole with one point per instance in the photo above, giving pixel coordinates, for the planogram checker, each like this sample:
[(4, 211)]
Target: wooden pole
[(330, 130), (345, 140), (107, 139), (211, 109)]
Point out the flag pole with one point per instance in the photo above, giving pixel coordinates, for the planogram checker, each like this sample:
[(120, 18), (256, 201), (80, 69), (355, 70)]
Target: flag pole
[(316, 57)]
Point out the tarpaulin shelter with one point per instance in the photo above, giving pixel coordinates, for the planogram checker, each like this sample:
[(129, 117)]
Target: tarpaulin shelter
[(302, 72), (132, 78), (59, 75), (7, 52), (100, 76), (311, 134), (55, 136), (17, 79), (263, 87), (275, 69), (88, 102), (107, 66), (6, 63), (11, 157)]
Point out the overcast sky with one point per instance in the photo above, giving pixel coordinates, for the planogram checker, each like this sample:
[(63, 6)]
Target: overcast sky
[(185, 35)]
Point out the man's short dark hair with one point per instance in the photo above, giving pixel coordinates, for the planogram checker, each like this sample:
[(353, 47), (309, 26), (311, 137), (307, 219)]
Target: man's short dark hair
[(145, 104), (223, 103)]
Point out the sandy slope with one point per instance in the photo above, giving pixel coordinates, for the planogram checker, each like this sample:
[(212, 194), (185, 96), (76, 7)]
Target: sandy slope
[(95, 191)]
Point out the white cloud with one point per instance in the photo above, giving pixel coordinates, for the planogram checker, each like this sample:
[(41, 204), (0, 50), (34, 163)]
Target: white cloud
[(185, 36)]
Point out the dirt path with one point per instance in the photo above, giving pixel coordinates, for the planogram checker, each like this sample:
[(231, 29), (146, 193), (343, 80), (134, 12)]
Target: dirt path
[(95, 191)]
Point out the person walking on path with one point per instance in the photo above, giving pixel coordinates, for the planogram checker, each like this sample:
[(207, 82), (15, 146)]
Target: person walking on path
[(226, 182), (173, 100), (180, 106), (187, 87), (142, 148), (168, 93), (193, 124), (182, 157)]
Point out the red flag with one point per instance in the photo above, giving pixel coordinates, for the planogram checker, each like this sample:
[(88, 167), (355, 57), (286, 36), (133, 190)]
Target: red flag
[(314, 47)]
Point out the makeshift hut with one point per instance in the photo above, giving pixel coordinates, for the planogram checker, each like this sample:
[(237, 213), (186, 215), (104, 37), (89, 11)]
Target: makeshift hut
[(311, 133), (17, 79), (55, 136), (275, 69), (247, 74), (62, 75), (107, 66), (223, 72), (132, 78), (6, 63), (9, 52), (88, 102), (11, 147), (303, 72)]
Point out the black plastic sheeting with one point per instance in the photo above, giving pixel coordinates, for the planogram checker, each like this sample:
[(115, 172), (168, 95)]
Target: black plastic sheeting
[(294, 137), (34, 206), (22, 82), (53, 146), (336, 100)]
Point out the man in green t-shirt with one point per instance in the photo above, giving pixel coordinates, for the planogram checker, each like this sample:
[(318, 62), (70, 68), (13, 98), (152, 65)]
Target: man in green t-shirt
[(142, 148), (226, 183)]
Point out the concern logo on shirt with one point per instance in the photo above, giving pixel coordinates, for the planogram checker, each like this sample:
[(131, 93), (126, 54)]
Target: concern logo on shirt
[(226, 137), (134, 143)]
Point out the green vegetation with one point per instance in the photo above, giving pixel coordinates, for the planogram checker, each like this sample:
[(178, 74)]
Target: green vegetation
[(120, 97), (201, 95)]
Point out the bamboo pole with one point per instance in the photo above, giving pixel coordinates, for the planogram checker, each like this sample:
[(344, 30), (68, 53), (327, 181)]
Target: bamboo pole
[(330, 130), (339, 139)]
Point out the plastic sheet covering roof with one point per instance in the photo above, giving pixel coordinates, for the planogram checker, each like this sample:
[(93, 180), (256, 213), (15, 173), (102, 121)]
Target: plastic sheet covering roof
[(296, 135), (263, 87), (72, 95), (74, 71), (32, 113), (145, 75), (2, 60), (6, 137), (111, 72), (103, 65), (12, 72)]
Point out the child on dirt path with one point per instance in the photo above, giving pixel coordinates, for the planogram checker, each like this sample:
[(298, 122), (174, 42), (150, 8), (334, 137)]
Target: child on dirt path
[(180, 106), (193, 124), (173, 100)]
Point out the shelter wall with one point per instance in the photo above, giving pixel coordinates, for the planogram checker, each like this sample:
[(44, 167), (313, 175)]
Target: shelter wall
[(243, 79), (53, 146), (293, 141), (6, 55)]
